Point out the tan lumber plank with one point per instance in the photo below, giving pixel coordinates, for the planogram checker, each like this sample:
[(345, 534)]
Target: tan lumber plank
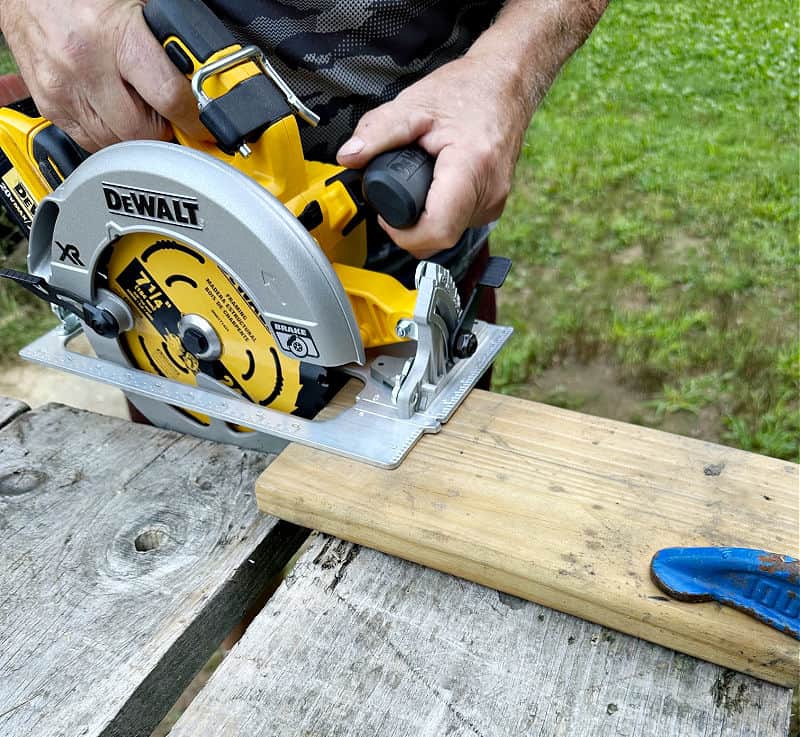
[(98, 637), (357, 643), (565, 510)]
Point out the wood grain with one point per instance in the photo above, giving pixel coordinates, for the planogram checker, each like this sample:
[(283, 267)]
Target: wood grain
[(10, 408), (360, 644), (566, 510), (126, 554)]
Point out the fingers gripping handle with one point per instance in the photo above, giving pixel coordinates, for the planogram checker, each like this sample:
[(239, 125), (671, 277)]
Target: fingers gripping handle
[(396, 184)]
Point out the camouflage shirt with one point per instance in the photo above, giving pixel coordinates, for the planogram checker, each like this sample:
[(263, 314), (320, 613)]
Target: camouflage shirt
[(344, 57)]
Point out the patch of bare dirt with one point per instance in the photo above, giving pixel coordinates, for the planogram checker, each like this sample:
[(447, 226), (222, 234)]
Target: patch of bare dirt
[(628, 256), (682, 243), (595, 388), (592, 387)]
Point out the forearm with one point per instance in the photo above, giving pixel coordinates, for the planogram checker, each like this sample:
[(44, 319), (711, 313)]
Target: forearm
[(532, 39)]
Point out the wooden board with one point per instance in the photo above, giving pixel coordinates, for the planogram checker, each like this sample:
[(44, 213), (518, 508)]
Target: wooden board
[(126, 554), (566, 510), (358, 643)]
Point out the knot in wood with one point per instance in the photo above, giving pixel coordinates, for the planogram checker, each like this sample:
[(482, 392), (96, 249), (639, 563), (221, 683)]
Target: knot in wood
[(149, 540), (20, 480)]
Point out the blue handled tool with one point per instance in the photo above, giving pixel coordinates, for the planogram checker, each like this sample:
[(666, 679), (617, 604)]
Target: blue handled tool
[(762, 584)]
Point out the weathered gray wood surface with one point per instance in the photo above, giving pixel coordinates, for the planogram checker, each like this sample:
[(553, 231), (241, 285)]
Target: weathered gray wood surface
[(126, 554), (10, 408), (359, 643)]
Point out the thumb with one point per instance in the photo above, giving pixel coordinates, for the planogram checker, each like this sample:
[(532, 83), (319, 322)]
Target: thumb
[(389, 126)]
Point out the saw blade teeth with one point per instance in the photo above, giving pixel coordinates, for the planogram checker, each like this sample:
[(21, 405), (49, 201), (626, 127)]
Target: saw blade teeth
[(442, 279), (448, 284), (447, 301)]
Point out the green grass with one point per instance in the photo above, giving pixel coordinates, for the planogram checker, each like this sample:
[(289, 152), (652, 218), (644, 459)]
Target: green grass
[(7, 63), (22, 316), (654, 222)]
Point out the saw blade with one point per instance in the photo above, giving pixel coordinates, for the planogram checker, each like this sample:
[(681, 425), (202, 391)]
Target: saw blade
[(192, 320)]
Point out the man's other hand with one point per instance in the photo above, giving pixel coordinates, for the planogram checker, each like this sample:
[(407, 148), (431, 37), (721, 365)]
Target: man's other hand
[(94, 68), (472, 116)]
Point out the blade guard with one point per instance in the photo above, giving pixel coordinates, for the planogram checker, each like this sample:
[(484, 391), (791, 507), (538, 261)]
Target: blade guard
[(184, 195)]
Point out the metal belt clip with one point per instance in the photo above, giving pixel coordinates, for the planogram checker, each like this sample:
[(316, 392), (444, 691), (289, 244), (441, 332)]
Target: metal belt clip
[(254, 54)]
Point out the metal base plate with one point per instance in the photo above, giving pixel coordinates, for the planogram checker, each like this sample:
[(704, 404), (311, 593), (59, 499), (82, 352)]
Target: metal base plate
[(369, 431)]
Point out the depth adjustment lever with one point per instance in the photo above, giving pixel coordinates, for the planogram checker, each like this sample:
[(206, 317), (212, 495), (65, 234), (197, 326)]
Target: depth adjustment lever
[(463, 343), (97, 318)]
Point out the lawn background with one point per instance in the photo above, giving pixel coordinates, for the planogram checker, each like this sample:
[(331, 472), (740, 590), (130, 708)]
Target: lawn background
[(654, 227)]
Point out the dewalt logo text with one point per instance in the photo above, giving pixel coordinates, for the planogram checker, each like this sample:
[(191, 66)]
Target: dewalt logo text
[(148, 204)]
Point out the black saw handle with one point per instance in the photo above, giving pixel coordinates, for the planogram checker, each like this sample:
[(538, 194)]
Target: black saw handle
[(194, 24), (56, 154), (396, 185)]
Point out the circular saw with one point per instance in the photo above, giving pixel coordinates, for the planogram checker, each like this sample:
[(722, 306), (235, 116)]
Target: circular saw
[(221, 282)]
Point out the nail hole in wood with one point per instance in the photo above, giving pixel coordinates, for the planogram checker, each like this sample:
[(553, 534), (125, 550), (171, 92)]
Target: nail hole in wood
[(149, 540)]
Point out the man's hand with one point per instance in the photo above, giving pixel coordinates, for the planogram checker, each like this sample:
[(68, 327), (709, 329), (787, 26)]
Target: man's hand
[(94, 68), (472, 114), (469, 116)]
